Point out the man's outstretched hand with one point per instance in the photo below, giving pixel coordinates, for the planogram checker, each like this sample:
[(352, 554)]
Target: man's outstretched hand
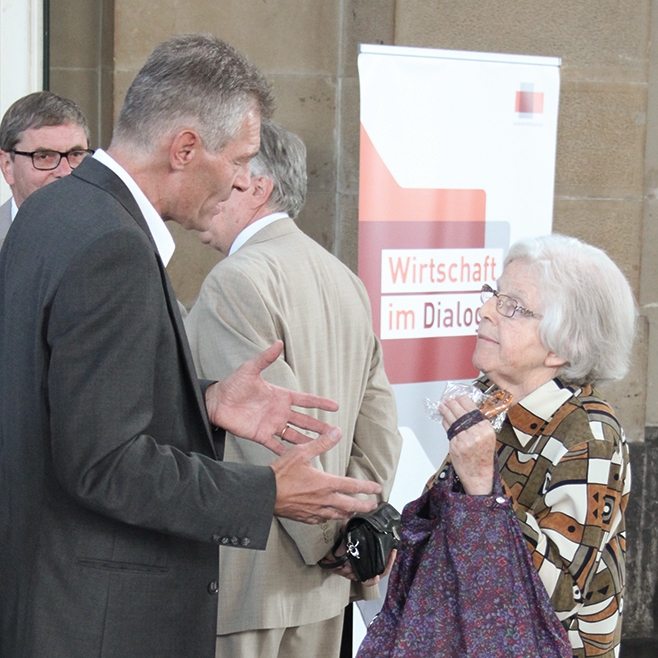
[(248, 406), (306, 494)]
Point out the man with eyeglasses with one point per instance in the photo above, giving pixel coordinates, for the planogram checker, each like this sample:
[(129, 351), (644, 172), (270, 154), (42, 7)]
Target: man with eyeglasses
[(43, 137)]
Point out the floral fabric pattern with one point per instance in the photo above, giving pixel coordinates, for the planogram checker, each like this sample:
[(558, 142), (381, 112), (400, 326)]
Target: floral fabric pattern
[(464, 584)]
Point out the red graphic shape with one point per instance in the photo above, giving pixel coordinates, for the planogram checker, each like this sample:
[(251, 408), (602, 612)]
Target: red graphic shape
[(529, 102), (381, 199), (393, 217)]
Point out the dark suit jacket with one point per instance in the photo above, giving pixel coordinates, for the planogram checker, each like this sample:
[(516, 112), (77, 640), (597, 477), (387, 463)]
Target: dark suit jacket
[(111, 500)]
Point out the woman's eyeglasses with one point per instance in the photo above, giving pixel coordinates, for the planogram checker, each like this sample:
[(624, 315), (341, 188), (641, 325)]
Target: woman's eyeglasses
[(505, 305)]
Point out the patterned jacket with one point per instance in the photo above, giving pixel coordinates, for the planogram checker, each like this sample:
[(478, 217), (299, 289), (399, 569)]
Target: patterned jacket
[(564, 463)]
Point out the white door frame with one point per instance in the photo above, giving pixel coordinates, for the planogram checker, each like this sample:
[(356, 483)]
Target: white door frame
[(21, 55)]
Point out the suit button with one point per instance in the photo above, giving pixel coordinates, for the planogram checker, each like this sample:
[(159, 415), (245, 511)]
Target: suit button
[(246, 541), (216, 539), (235, 541), (224, 540), (327, 533), (213, 587)]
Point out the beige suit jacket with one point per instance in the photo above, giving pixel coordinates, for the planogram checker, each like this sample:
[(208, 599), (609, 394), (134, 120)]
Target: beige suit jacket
[(5, 220), (281, 284)]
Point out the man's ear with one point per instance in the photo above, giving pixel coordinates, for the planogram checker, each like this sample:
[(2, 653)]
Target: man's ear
[(7, 166), (262, 188), (184, 147)]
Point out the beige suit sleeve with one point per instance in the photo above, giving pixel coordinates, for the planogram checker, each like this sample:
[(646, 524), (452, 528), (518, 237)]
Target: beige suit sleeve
[(377, 440)]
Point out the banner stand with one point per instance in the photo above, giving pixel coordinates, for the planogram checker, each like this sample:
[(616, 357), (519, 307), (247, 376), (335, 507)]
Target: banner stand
[(457, 162)]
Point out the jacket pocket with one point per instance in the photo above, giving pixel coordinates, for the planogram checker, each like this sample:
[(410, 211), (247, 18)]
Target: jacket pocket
[(121, 567)]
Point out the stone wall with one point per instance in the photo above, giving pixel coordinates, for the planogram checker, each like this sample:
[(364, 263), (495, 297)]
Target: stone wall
[(82, 60)]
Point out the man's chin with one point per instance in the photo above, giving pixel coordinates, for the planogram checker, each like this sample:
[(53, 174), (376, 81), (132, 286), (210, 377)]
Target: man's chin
[(199, 224)]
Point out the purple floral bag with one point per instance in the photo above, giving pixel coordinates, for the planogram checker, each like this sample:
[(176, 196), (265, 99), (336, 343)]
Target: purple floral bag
[(464, 585)]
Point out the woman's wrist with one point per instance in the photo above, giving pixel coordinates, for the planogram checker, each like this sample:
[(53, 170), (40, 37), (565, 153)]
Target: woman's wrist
[(480, 486)]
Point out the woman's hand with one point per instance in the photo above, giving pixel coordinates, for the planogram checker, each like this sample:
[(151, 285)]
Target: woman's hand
[(471, 451)]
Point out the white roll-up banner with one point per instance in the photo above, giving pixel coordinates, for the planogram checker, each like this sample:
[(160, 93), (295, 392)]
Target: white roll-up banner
[(457, 162)]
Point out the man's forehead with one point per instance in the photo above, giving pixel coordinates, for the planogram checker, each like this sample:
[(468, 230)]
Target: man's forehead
[(246, 141), (61, 137)]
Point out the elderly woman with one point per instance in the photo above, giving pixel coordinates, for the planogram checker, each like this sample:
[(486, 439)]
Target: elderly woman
[(562, 319)]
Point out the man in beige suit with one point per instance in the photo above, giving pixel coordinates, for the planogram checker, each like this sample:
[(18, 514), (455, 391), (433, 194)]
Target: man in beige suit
[(277, 283), (42, 138)]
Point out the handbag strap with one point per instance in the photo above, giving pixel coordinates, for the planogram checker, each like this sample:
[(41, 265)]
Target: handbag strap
[(339, 560)]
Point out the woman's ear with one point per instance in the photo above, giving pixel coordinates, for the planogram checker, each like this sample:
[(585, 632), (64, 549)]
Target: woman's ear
[(552, 360)]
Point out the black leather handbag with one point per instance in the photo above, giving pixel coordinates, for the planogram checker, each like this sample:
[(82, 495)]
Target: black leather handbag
[(369, 539)]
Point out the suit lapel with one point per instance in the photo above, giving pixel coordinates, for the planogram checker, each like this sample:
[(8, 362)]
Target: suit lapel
[(5, 220), (96, 173), (183, 346)]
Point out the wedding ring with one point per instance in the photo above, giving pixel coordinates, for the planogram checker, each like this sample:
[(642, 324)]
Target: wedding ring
[(282, 435)]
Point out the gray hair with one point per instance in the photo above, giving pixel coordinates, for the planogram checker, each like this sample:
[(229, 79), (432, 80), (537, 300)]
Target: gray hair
[(192, 81), (589, 312), (34, 111), (282, 158)]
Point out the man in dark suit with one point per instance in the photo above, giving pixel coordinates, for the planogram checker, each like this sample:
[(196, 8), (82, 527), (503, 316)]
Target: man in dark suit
[(43, 137), (113, 500)]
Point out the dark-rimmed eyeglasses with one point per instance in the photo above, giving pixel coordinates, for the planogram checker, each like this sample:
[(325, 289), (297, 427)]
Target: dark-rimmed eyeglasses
[(48, 160), (505, 305)]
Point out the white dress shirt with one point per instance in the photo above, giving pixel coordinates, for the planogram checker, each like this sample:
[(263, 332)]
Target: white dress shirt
[(252, 229), (163, 241)]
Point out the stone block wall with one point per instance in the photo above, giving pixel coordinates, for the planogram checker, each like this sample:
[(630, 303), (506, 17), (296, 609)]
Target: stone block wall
[(82, 60)]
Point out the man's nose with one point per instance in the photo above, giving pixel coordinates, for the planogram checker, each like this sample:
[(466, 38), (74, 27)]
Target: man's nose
[(242, 178)]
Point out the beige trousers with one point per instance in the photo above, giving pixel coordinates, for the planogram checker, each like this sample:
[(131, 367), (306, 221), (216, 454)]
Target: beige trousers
[(319, 640)]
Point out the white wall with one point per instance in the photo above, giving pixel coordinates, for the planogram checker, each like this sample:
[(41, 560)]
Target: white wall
[(21, 55)]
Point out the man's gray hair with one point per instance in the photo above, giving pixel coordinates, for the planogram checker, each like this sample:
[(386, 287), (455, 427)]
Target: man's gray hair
[(589, 311), (192, 81), (42, 108), (282, 158)]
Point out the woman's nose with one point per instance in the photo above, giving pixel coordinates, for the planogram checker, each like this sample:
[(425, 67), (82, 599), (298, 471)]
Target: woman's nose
[(488, 309)]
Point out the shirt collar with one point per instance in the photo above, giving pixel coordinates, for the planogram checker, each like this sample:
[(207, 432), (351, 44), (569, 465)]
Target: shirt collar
[(253, 228), (534, 412), (14, 208), (163, 241)]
